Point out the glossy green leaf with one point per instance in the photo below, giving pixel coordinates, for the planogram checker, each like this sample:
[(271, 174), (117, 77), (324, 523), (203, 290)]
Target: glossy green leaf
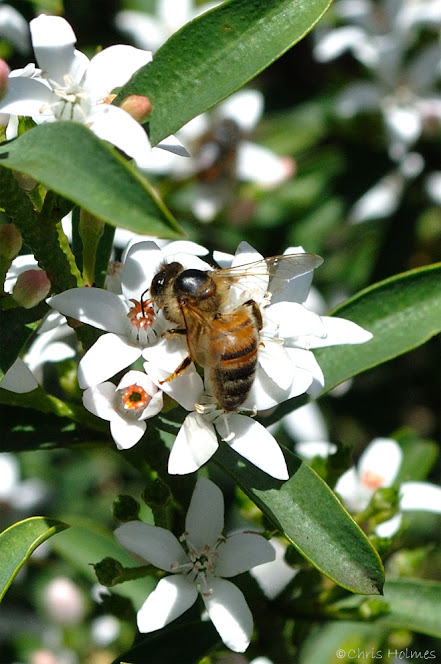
[(217, 53), (18, 542), (312, 518), (87, 543), (402, 313), (67, 158), (184, 642)]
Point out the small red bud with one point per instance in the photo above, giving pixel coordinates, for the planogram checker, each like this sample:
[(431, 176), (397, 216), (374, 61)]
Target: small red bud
[(138, 107), (31, 288)]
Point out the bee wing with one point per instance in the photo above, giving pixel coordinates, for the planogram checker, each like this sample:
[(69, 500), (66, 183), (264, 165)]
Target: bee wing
[(280, 270)]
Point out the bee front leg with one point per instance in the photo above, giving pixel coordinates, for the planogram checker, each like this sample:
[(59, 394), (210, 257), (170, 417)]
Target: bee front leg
[(178, 371)]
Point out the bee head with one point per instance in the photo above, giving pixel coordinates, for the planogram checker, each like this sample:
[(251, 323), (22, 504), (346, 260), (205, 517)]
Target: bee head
[(164, 278)]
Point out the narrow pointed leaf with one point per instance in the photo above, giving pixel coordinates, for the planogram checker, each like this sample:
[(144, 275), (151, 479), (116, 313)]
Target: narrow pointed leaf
[(313, 519), (214, 55), (402, 313), (19, 541), (67, 158)]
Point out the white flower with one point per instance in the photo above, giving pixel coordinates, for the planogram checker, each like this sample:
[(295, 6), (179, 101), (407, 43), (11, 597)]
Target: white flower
[(126, 407), (223, 154), (199, 564), (131, 323), (67, 86), (151, 32), (378, 467)]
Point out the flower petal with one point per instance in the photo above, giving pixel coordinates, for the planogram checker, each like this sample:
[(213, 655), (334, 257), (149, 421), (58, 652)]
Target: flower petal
[(420, 496), (204, 524), (155, 545), (113, 124), (126, 432), (112, 67), (140, 266), (258, 164), (306, 424), (272, 577), (304, 361), (53, 40), (94, 306), (19, 378), (240, 553), (379, 464), (108, 355), (230, 614), (244, 107), (293, 320), (390, 527), (354, 495), (26, 96), (100, 400), (172, 596), (255, 443), (195, 443), (342, 331)]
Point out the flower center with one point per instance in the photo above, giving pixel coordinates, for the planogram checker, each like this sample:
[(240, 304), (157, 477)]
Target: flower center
[(141, 317), (134, 398), (72, 102), (202, 563), (372, 480)]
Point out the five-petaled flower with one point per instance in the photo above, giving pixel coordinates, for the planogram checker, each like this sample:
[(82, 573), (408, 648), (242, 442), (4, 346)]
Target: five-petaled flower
[(199, 563), (126, 407), (67, 86)]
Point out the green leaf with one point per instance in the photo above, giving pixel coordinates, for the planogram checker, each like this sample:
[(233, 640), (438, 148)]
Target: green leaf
[(184, 643), (310, 515), (67, 158), (87, 543), (402, 313), (217, 53), (18, 542), (413, 604), (16, 328)]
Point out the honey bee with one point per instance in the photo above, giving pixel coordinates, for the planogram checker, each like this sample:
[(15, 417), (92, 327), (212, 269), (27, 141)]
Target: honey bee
[(222, 337)]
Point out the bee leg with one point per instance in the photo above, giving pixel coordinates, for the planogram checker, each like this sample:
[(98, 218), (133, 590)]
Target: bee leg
[(178, 371), (255, 312), (174, 330)]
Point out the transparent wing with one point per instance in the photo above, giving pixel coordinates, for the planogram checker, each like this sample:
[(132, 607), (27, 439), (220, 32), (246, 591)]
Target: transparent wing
[(279, 269)]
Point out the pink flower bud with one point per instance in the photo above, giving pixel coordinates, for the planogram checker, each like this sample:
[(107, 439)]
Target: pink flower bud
[(31, 288), (4, 74), (138, 107), (10, 241)]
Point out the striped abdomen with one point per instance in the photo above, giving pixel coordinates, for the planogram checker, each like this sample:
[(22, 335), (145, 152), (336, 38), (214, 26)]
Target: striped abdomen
[(234, 343)]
